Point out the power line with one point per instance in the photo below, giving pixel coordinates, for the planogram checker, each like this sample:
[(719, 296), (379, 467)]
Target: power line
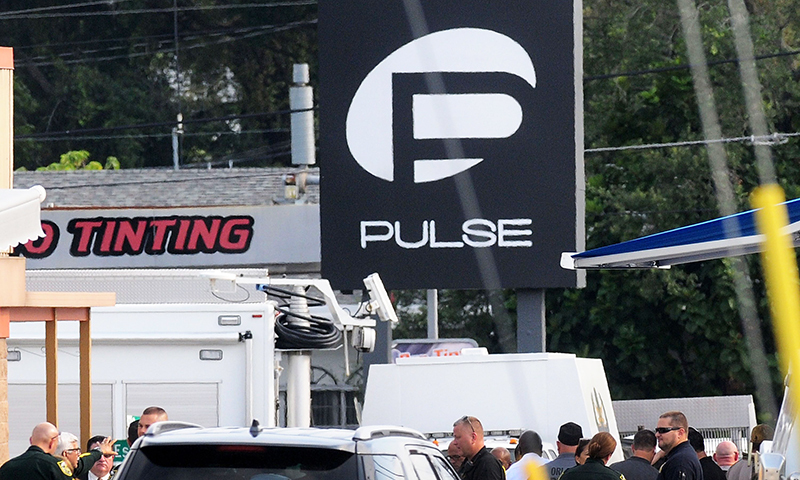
[(140, 41), (773, 139), (12, 16), (274, 29), (684, 66), (161, 124), (62, 7), (151, 135)]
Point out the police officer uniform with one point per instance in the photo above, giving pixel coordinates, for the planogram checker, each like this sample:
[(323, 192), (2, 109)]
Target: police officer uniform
[(35, 464)]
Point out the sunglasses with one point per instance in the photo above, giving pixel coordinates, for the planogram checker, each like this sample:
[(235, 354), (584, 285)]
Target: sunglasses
[(467, 420), (664, 430), (109, 455)]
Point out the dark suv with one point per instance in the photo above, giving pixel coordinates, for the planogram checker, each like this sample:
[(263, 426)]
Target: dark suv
[(178, 451)]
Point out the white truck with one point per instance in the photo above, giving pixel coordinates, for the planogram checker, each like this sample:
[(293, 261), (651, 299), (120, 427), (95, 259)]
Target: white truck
[(506, 392), (211, 364), (214, 364)]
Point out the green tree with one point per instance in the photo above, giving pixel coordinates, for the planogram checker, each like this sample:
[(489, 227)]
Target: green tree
[(103, 67), (79, 160)]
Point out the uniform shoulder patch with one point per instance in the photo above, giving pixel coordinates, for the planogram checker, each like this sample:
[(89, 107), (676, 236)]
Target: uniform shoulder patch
[(65, 468)]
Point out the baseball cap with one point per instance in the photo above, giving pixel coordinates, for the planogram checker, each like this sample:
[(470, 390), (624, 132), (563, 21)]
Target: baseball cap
[(570, 434)]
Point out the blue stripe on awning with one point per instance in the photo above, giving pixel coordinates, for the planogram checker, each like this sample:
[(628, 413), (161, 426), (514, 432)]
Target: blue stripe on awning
[(679, 241)]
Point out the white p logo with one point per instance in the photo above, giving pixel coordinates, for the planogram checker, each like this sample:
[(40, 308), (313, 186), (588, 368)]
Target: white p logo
[(437, 116)]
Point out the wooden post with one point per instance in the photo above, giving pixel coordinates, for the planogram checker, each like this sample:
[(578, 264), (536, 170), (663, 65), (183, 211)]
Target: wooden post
[(86, 380), (6, 181), (51, 369)]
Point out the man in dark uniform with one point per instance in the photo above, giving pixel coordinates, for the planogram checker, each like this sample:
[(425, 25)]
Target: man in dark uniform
[(672, 433), (711, 470), (38, 463), (479, 463), (569, 435), (637, 466)]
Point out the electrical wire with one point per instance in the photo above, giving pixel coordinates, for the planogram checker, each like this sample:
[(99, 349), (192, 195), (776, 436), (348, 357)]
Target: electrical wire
[(132, 43), (773, 139), (684, 66), (17, 16), (152, 135), (164, 124), (62, 7), (283, 28)]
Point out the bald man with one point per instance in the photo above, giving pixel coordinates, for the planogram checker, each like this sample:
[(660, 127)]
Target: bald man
[(479, 463), (502, 454), (726, 455), (455, 456), (38, 462)]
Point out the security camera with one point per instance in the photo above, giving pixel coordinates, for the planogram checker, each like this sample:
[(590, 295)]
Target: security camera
[(379, 299)]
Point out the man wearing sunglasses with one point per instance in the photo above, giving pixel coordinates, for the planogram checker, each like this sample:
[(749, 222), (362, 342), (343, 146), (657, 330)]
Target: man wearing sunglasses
[(479, 463), (76, 464), (672, 433), (101, 470)]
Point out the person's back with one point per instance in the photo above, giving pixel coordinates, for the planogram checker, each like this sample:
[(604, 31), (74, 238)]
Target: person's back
[(600, 449), (711, 470), (37, 463), (528, 456), (637, 466), (568, 437), (743, 469)]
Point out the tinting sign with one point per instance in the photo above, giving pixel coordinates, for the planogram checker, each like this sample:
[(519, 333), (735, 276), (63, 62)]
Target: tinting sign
[(450, 142)]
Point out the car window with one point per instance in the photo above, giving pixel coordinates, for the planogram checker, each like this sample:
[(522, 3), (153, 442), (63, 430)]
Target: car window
[(423, 467), (240, 462), (382, 467), (444, 469)]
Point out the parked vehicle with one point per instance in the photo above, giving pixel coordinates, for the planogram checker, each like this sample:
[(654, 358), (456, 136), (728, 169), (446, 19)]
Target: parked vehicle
[(537, 391), (173, 451)]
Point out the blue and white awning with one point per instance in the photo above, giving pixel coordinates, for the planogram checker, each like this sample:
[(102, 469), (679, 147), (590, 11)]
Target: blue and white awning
[(722, 237)]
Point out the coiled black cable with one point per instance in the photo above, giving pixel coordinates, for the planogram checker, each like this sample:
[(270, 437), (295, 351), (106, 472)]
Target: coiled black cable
[(314, 332), (320, 332)]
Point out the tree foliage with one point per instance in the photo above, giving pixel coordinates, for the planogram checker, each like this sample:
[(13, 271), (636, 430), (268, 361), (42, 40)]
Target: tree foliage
[(96, 70), (79, 160), (675, 332)]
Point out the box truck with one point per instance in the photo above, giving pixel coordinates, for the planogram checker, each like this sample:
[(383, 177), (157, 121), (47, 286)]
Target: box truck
[(506, 392)]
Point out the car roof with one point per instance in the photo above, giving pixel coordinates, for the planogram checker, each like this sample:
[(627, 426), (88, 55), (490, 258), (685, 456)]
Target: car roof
[(178, 433)]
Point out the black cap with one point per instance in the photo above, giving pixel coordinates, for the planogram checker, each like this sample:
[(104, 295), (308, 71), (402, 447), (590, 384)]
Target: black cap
[(570, 434)]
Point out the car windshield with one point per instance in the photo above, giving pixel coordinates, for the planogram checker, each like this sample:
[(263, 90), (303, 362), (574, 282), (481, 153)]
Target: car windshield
[(240, 462)]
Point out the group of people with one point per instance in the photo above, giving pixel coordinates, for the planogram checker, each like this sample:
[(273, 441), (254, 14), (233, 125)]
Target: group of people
[(681, 454), (55, 455)]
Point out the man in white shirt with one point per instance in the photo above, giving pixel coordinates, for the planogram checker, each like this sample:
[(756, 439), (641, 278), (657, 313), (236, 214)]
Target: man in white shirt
[(102, 468), (528, 457)]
